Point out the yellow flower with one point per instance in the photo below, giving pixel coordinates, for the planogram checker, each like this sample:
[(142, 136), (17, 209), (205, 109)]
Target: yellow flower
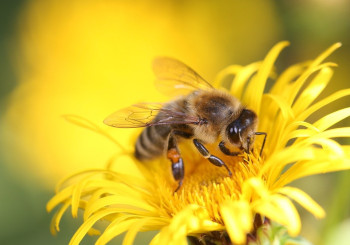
[(211, 203)]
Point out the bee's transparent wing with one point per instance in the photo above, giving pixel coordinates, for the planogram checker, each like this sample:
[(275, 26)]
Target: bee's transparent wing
[(175, 77), (148, 114)]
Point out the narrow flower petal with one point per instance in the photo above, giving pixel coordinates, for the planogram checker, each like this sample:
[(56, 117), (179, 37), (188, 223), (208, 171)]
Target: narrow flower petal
[(323, 164), (255, 89), (238, 219), (287, 77), (327, 53), (336, 133), (285, 109), (298, 84), (60, 197), (118, 226), (157, 241), (332, 118), (299, 124), (254, 187), (54, 227), (275, 206), (275, 103), (77, 193), (313, 67), (87, 225), (128, 204), (132, 232), (318, 105), (177, 231), (300, 133), (304, 200), (311, 92), (228, 71), (281, 210), (274, 166), (242, 78)]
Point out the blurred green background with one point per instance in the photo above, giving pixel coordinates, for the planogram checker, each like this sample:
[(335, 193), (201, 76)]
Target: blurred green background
[(61, 57)]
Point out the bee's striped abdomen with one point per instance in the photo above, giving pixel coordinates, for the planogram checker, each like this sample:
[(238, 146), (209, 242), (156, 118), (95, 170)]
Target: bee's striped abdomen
[(152, 141)]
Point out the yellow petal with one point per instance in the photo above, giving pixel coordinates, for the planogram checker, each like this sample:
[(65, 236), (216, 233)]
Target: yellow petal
[(322, 164), (115, 228), (177, 230), (296, 124), (304, 200), (313, 67), (281, 210), (285, 109), (335, 133), (60, 197), (331, 148), (254, 187), (272, 104), (134, 229), (324, 102), (238, 219), (276, 163), (326, 53), (94, 232), (228, 71), (298, 84), (332, 118), (255, 89), (54, 227), (242, 78), (131, 205), (311, 92), (289, 75), (274, 206), (87, 225), (298, 133), (77, 194)]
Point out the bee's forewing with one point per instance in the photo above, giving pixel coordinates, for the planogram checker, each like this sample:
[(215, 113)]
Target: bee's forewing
[(175, 77), (148, 114)]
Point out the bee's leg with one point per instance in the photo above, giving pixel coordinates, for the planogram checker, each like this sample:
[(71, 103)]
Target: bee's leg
[(213, 159), (177, 165), (263, 144), (226, 151)]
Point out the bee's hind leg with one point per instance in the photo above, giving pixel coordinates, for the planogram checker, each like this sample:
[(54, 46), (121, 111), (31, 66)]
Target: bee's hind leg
[(177, 165)]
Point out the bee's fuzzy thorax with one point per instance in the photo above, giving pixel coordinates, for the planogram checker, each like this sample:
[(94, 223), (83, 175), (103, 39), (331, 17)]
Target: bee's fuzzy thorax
[(217, 107)]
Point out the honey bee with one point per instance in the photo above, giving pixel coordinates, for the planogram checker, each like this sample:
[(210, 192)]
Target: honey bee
[(204, 114)]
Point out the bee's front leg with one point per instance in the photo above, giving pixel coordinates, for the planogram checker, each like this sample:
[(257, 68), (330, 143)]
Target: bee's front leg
[(177, 165), (226, 151), (213, 159)]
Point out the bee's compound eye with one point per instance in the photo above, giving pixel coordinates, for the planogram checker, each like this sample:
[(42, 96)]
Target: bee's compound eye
[(233, 132)]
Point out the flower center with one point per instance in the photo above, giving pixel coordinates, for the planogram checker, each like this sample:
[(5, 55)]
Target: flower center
[(205, 184)]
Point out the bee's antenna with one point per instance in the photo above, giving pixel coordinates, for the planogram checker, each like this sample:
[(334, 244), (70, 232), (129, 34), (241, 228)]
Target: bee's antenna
[(263, 144)]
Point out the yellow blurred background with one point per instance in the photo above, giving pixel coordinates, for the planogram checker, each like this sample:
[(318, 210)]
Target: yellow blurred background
[(90, 58)]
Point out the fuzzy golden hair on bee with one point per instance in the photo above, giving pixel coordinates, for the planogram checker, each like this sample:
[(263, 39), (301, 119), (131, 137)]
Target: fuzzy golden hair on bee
[(202, 114)]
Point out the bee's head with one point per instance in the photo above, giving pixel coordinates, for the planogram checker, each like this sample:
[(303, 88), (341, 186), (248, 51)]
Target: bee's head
[(241, 131)]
